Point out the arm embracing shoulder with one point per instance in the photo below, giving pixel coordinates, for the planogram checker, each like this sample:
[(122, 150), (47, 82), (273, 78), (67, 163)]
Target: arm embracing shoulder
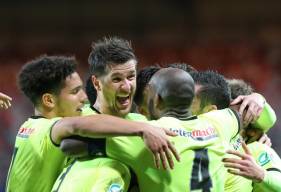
[(271, 181), (267, 118), (95, 126)]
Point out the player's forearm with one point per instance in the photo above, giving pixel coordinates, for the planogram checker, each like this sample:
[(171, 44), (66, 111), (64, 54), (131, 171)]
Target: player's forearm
[(105, 125), (267, 118), (96, 126), (271, 182)]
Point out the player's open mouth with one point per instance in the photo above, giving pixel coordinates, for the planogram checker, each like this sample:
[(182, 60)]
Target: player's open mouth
[(80, 108), (123, 101)]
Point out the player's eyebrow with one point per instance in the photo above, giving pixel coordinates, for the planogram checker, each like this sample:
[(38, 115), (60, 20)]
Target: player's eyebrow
[(122, 74), (76, 88)]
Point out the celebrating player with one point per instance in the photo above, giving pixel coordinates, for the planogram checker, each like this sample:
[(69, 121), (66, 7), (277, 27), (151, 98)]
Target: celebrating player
[(55, 89), (113, 68)]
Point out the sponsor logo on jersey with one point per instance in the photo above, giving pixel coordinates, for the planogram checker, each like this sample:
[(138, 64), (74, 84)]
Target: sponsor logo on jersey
[(263, 158), (24, 132), (115, 187), (198, 135), (237, 143)]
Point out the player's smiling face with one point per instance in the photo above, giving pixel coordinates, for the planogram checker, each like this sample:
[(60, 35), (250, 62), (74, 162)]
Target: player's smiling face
[(71, 98), (117, 89)]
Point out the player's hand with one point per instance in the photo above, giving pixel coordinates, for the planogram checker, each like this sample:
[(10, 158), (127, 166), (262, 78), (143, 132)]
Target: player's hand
[(252, 134), (5, 101), (250, 108), (265, 140), (157, 141), (246, 166)]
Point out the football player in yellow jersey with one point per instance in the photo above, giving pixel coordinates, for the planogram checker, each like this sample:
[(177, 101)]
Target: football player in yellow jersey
[(256, 106), (259, 162), (55, 89), (213, 95), (113, 75), (201, 139)]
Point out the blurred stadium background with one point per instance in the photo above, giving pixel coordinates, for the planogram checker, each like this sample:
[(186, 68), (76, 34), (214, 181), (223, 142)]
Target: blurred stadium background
[(241, 39)]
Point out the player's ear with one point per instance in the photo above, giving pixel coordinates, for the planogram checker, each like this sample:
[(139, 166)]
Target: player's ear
[(209, 108), (96, 82), (159, 104), (142, 111), (48, 100)]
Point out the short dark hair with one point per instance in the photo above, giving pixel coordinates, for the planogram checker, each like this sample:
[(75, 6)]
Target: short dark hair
[(45, 74), (183, 66), (109, 51), (214, 89), (91, 91), (143, 78), (239, 87)]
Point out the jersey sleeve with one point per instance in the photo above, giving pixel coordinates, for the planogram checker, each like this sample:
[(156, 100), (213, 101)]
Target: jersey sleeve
[(271, 182), (41, 159), (267, 118), (124, 149), (41, 139), (267, 158)]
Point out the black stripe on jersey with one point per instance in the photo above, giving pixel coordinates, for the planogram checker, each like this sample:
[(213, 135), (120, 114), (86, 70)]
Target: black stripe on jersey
[(97, 147), (84, 147), (134, 185), (50, 134), (274, 169), (37, 117), (187, 118), (238, 120), (94, 109), (192, 118)]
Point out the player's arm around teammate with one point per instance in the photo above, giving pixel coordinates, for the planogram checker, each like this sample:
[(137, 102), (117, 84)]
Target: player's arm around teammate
[(105, 125), (266, 173), (260, 163), (254, 106)]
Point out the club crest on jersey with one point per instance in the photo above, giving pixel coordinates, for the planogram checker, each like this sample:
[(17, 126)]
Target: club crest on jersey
[(115, 187), (264, 158), (25, 132), (198, 135)]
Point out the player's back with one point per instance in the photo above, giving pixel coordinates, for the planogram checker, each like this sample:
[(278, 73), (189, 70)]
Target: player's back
[(201, 143), (36, 161)]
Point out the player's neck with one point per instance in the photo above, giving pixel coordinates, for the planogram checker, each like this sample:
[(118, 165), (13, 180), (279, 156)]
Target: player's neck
[(47, 114), (104, 109), (179, 114), (100, 105)]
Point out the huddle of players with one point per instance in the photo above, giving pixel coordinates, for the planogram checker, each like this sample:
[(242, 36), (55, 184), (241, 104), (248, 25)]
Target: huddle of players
[(169, 98)]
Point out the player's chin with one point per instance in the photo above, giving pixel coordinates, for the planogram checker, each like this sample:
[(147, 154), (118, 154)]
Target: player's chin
[(124, 111), (77, 113)]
